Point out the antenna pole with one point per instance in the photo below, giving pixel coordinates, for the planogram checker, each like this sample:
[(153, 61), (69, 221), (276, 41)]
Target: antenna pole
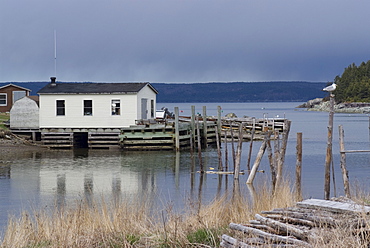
[(55, 53)]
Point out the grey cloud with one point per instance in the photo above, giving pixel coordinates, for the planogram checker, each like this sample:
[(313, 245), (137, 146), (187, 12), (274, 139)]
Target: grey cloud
[(182, 41)]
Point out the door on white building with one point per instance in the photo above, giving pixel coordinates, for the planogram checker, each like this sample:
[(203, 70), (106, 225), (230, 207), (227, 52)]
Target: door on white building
[(144, 108)]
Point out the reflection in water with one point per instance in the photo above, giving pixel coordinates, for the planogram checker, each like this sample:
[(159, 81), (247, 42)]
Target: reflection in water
[(4, 171), (40, 179), (61, 190), (88, 188)]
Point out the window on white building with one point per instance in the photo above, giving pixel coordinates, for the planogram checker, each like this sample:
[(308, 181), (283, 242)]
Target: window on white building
[(61, 107), (116, 107), (88, 107)]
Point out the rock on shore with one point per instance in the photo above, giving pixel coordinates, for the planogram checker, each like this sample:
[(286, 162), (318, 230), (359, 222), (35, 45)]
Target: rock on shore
[(319, 104)]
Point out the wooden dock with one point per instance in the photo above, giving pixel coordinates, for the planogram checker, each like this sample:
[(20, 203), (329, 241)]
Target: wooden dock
[(298, 226), (253, 128), (178, 133)]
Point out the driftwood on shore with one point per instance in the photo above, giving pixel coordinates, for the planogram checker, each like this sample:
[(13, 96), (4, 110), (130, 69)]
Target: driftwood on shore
[(297, 226)]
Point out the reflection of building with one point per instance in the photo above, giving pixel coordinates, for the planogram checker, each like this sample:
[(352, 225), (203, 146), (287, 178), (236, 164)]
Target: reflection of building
[(95, 180), (54, 177)]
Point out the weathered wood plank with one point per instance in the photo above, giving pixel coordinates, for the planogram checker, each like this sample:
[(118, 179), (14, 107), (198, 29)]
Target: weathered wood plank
[(230, 242), (288, 229), (269, 236), (332, 206)]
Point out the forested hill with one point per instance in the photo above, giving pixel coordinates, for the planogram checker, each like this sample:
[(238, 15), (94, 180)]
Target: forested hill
[(225, 92), (240, 92)]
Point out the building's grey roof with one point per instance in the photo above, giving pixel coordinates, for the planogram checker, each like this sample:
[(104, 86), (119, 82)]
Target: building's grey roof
[(94, 88)]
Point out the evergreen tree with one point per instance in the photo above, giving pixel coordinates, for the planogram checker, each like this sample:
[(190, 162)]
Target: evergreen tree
[(354, 84)]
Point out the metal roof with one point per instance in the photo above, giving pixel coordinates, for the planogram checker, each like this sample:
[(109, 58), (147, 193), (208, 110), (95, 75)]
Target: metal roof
[(94, 88)]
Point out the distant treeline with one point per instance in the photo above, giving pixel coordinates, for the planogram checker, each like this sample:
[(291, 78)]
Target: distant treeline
[(354, 84), (277, 91), (240, 92)]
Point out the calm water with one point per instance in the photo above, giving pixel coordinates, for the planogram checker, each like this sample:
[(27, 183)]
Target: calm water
[(35, 180)]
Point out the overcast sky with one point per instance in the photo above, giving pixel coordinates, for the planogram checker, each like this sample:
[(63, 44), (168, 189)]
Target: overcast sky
[(182, 41)]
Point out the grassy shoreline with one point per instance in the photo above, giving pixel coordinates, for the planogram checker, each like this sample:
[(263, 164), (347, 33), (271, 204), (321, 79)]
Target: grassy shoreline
[(136, 224), (133, 223)]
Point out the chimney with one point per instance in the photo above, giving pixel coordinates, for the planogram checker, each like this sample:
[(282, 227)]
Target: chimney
[(53, 81)]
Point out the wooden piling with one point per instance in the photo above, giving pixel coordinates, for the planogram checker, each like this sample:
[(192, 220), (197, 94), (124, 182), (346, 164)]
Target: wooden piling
[(256, 164), (271, 162), (298, 170), (199, 146), (177, 132), (219, 122), (276, 154), (343, 165), (280, 164), (192, 123), (218, 150), (205, 127), (329, 150), (232, 144), (251, 145), (226, 152), (238, 153)]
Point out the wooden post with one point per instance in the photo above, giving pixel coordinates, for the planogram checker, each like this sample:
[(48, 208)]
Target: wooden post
[(177, 131), (251, 144), (226, 152), (238, 153), (276, 148), (329, 150), (218, 150), (276, 156), (280, 163), (343, 165), (271, 161), (232, 144), (191, 143), (219, 122), (205, 144), (258, 159), (192, 123), (199, 147), (298, 169)]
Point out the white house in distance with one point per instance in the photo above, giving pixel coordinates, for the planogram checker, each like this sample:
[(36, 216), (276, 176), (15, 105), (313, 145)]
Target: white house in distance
[(95, 105), (91, 114)]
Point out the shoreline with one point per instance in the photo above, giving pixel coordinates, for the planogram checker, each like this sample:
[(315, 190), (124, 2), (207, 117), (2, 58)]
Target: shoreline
[(319, 104)]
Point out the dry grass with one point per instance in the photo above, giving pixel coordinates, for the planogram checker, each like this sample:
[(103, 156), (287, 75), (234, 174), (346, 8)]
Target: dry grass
[(135, 224)]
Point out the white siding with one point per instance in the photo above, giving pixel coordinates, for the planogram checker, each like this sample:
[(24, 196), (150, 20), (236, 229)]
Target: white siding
[(102, 116), (74, 117)]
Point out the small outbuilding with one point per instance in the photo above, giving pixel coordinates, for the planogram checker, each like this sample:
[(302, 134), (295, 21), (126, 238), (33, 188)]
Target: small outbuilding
[(24, 117), (9, 94)]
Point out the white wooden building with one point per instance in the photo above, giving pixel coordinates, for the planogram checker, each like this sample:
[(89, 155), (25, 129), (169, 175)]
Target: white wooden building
[(92, 113), (95, 105)]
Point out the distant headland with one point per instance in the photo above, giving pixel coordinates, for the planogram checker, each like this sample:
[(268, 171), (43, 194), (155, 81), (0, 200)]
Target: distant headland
[(274, 91)]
